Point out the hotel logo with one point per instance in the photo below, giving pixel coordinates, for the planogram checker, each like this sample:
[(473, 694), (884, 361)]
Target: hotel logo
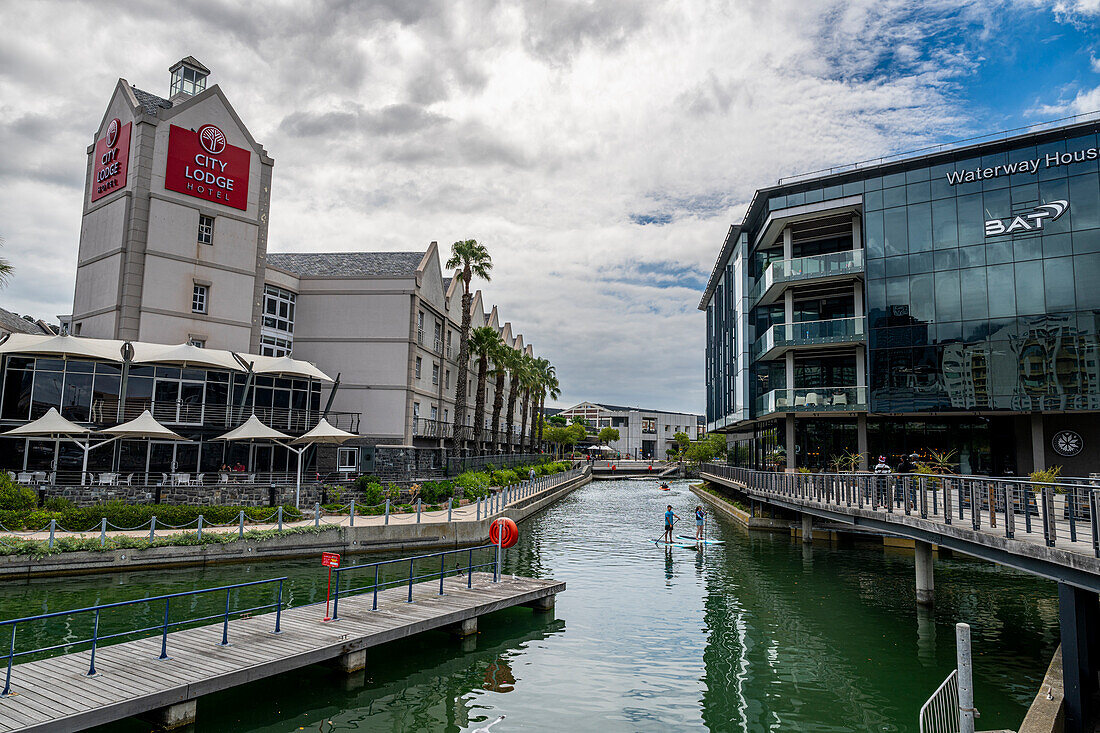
[(112, 132), (1031, 221), (212, 139)]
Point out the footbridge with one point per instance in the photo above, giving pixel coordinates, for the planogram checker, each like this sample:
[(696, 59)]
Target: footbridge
[(1048, 529), (634, 469)]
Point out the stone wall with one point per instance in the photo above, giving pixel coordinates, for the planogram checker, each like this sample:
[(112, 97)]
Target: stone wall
[(243, 494)]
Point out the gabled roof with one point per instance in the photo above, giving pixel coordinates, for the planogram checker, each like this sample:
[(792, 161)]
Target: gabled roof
[(347, 264), (191, 61), (14, 323), (150, 103)]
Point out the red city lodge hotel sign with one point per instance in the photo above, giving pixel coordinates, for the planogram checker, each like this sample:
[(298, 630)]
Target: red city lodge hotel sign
[(202, 164), (112, 153)]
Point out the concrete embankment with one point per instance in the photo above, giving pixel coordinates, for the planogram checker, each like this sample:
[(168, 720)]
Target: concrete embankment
[(739, 515), (370, 537)]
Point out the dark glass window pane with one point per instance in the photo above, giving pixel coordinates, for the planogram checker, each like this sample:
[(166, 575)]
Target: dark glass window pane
[(896, 266), (1056, 190), (922, 298), (1041, 151), (945, 231), (17, 395), (872, 184), (77, 400), (1029, 288), (916, 193), (1027, 248), (1025, 195), (893, 197), (1086, 275), (1001, 285), (894, 227), (1079, 145), (971, 219), (1058, 274), (920, 227), (947, 259), (921, 262), (47, 392), (77, 365), (52, 365), (1057, 245), (894, 179), (997, 205), (972, 256), (975, 302), (998, 253), (168, 372), (872, 200), (105, 397), (872, 224), (948, 304), (814, 196), (1084, 198), (917, 174)]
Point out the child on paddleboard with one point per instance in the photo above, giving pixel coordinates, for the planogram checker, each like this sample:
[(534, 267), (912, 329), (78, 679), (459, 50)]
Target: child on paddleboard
[(670, 517), (699, 517)]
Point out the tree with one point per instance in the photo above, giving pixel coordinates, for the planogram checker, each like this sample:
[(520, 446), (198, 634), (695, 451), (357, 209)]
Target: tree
[(499, 372), (513, 362), (483, 343), (6, 268), (548, 386), (526, 384), (608, 436), (471, 259), (556, 420), (683, 440)]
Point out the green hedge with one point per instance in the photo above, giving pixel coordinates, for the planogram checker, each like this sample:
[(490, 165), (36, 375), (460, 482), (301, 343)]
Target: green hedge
[(84, 519)]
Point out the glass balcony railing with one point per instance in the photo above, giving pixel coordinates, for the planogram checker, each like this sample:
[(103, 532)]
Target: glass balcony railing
[(812, 399), (848, 262), (810, 333)]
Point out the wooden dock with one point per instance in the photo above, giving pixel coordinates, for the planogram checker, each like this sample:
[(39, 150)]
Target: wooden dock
[(56, 694)]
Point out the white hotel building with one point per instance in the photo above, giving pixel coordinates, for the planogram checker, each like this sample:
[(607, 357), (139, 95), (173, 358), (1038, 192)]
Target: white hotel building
[(174, 249)]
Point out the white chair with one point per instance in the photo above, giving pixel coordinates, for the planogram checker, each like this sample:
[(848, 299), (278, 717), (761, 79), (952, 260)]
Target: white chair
[(11, 475), (812, 399), (107, 479), (183, 479), (251, 478), (800, 401), (164, 480), (25, 477), (840, 399), (199, 479), (223, 479), (128, 481)]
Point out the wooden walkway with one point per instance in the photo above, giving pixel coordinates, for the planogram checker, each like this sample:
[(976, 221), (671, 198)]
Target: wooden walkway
[(57, 695)]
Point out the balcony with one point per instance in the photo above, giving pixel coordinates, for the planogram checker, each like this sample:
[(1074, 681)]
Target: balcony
[(437, 347), (812, 399), (819, 268), (423, 427), (783, 337)]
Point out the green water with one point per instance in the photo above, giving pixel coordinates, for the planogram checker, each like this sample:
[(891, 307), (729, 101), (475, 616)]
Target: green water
[(760, 633)]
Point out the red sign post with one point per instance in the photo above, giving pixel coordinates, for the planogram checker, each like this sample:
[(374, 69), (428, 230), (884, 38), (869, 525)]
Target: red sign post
[(329, 560)]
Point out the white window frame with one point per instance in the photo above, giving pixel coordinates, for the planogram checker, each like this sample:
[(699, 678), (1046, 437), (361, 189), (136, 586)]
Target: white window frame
[(435, 372), (200, 299), (342, 455), (206, 229), (417, 366)]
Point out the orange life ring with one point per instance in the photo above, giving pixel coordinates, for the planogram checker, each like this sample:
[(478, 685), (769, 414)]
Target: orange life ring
[(504, 531)]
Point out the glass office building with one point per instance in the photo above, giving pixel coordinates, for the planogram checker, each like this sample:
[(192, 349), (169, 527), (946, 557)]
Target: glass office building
[(947, 301)]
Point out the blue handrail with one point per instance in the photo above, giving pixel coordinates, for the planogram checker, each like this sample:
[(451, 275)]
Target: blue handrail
[(163, 627), (412, 576)]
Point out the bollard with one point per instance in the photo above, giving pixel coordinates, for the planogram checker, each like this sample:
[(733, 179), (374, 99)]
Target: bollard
[(279, 513), (316, 514), (387, 511), (479, 508), (103, 532), (449, 507), (152, 527), (240, 528), (200, 526), (53, 526), (351, 514), (418, 510), (966, 679)]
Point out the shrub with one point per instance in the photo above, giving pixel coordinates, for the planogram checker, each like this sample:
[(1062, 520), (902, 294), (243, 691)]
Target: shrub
[(15, 496), (59, 504), (119, 514), (432, 492), (372, 493), (362, 482)]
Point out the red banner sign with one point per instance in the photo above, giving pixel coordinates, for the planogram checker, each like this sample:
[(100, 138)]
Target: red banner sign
[(202, 164), (330, 560), (112, 153)]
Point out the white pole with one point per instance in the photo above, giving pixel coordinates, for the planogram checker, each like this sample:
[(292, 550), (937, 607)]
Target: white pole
[(298, 485), (966, 678)]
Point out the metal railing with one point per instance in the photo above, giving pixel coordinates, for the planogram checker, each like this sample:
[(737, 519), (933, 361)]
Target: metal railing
[(380, 583), (811, 333), (501, 460), (950, 709), (157, 479), (423, 427), (1056, 511), (812, 399), (846, 262), (96, 611)]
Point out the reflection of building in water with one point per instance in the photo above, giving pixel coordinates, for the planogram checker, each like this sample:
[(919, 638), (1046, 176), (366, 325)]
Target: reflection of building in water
[(1048, 364), (499, 677)]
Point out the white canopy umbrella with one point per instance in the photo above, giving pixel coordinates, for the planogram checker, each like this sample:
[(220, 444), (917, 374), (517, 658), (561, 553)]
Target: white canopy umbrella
[(322, 433), (284, 365), (253, 429), (53, 425), (65, 345), (142, 426), (185, 355)]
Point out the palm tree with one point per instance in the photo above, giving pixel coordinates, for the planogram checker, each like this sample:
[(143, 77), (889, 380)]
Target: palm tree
[(527, 379), (551, 388), (499, 372), (513, 362), (472, 259), (6, 268), (543, 373), (483, 343)]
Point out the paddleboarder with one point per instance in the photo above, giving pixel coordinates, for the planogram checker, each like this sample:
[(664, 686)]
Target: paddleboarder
[(700, 516), (670, 518)]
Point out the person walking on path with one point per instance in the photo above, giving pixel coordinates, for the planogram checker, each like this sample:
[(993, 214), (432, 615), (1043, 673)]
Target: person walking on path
[(882, 470), (531, 475), (670, 519), (700, 517)]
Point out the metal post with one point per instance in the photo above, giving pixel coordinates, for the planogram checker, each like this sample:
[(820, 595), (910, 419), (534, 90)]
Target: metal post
[(164, 632), (103, 532), (351, 514), (500, 552), (418, 510), (200, 526), (374, 607), (410, 580), (240, 525), (53, 526), (479, 508), (442, 569), (152, 527), (336, 599), (225, 622), (279, 608), (387, 511), (11, 655), (316, 514), (1047, 524), (95, 638), (279, 513), (966, 678), (470, 570), (450, 505)]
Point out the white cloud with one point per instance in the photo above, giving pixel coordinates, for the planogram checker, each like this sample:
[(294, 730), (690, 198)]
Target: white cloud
[(538, 128)]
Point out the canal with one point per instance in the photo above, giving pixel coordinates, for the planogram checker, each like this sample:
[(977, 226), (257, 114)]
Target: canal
[(760, 633)]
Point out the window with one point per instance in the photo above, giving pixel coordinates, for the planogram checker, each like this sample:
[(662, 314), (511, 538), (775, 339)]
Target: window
[(435, 372), (447, 379), (434, 412), (347, 459), (419, 362), (199, 298), (201, 343), (416, 410), (186, 80), (420, 327), (277, 324), (649, 425), (274, 345), (206, 229), (446, 415)]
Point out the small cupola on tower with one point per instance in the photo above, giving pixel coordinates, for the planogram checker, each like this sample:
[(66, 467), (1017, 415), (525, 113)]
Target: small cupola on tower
[(188, 78)]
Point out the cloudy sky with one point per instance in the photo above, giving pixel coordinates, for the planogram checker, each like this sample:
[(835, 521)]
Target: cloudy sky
[(600, 149)]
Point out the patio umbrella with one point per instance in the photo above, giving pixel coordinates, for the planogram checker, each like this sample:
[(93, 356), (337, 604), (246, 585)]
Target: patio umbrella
[(142, 426), (323, 433), (53, 425), (253, 429)]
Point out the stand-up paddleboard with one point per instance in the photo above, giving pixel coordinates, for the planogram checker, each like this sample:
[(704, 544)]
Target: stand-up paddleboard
[(704, 540), (662, 543)]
